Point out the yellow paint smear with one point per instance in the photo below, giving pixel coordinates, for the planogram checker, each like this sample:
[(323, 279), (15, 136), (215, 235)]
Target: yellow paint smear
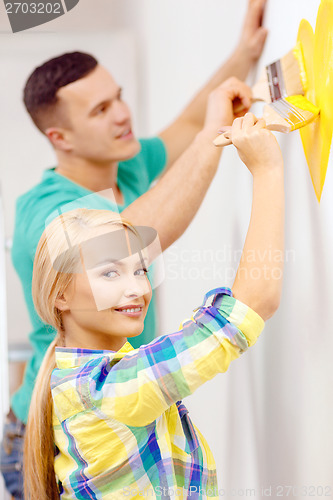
[(302, 103), (302, 113), (317, 51), (298, 54)]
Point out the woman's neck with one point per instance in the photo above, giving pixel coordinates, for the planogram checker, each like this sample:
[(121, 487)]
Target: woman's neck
[(80, 336), (98, 342)]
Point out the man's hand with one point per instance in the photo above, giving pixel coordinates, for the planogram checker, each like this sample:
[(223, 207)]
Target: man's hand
[(220, 104), (179, 135), (253, 35)]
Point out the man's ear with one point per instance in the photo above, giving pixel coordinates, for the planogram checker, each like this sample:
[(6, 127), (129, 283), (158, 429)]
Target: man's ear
[(61, 303), (58, 138)]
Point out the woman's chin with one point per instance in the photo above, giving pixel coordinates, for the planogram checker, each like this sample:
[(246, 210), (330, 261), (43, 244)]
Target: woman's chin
[(134, 333)]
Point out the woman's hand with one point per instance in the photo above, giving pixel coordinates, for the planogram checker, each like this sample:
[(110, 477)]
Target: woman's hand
[(257, 147), (258, 281)]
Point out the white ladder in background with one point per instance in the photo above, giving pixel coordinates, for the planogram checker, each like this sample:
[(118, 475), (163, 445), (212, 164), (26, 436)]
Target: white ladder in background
[(4, 382)]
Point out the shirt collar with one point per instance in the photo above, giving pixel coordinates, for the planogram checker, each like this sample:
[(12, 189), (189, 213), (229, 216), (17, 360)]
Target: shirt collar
[(69, 357), (50, 175)]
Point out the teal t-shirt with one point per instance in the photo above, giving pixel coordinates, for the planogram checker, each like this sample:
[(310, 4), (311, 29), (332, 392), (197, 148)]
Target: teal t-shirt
[(32, 210)]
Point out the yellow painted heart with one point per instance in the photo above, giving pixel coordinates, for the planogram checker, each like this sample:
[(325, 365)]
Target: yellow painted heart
[(318, 60)]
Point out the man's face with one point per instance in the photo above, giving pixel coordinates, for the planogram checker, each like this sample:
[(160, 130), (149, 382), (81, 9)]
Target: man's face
[(100, 128)]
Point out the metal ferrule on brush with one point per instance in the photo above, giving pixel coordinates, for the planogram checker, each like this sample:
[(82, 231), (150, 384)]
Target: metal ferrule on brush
[(275, 79)]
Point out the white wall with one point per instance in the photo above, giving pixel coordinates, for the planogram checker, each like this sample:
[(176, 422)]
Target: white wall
[(268, 420)]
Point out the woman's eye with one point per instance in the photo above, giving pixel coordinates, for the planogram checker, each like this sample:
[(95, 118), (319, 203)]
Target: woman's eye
[(110, 274), (141, 272)]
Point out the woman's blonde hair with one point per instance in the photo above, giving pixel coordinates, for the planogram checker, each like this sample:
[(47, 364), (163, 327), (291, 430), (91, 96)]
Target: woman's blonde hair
[(48, 283)]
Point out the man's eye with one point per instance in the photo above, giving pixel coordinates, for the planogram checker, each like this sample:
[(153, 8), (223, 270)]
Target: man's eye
[(141, 272)]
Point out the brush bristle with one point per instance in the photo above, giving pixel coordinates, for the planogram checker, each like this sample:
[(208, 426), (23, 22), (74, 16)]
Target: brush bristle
[(293, 71), (296, 110)]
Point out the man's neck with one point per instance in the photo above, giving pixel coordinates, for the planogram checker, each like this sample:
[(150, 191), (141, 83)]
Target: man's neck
[(92, 176)]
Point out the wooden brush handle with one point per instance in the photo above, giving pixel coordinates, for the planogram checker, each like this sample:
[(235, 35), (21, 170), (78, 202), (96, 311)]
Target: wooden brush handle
[(273, 122), (223, 139), (260, 92)]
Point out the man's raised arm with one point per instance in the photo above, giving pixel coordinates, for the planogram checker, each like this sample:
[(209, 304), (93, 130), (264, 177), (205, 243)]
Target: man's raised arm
[(172, 203), (178, 136)]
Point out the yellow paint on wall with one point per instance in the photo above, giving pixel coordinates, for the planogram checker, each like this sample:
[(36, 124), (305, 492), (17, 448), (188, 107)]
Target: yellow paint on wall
[(318, 60)]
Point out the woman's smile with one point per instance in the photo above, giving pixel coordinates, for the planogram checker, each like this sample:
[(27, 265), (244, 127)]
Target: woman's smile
[(132, 311)]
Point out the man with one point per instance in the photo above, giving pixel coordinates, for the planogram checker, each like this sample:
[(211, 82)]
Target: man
[(77, 104)]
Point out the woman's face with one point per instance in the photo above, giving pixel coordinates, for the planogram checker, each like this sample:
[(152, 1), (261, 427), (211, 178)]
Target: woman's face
[(107, 302)]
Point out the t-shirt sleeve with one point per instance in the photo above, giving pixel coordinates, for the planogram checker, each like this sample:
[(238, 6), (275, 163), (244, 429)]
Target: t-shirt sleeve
[(33, 217), (155, 156), (140, 386), (29, 226)]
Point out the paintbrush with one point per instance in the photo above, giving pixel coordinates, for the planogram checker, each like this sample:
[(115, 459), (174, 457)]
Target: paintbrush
[(283, 115), (282, 78)]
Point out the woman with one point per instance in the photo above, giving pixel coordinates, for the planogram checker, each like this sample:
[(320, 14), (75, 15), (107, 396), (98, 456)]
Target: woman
[(115, 414)]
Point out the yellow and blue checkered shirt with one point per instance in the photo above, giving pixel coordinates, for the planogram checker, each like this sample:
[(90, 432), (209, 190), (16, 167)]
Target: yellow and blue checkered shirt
[(119, 423)]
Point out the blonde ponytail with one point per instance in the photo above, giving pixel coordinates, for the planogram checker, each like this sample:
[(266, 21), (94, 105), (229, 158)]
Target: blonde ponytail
[(39, 478), (48, 283)]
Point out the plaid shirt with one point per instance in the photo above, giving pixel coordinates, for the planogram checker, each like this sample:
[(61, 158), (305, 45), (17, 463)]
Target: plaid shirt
[(119, 423)]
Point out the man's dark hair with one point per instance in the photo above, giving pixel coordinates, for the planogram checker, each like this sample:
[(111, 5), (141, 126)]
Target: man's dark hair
[(40, 91)]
